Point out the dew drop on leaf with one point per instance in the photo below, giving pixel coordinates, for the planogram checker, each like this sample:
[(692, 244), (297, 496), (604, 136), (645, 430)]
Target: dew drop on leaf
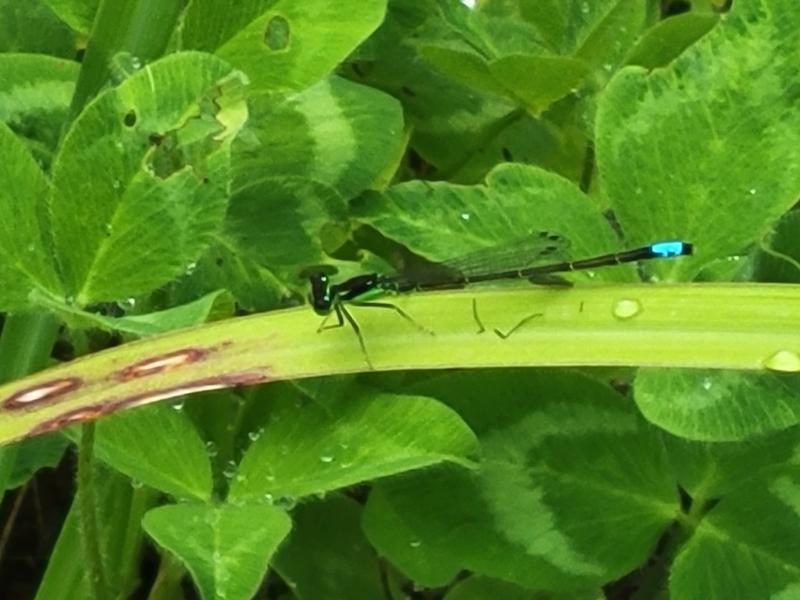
[(230, 470), (211, 449), (285, 502), (784, 361), (627, 308)]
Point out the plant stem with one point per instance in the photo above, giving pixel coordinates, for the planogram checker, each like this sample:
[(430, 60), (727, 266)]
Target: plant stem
[(141, 28), (168, 580), (88, 527)]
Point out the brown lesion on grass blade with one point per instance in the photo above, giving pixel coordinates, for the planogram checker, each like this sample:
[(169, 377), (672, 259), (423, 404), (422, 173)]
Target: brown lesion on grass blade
[(46, 392), (137, 399), (205, 384), (160, 364), (85, 413)]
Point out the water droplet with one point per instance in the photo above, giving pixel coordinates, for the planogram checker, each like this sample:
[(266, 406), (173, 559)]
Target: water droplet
[(638, 191), (190, 268), (230, 470), (285, 502), (626, 308), (608, 67), (116, 184), (466, 216), (752, 191), (240, 478), (136, 62), (31, 248), (326, 458), (785, 361), (109, 228), (211, 449), (179, 404), (254, 435), (136, 484), (415, 543), (585, 8), (707, 383)]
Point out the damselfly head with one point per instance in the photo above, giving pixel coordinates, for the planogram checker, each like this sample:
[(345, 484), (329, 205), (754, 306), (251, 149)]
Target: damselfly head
[(319, 293)]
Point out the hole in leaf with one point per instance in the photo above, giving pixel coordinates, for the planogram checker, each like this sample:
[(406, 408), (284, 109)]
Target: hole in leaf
[(276, 37), (675, 7), (130, 118)]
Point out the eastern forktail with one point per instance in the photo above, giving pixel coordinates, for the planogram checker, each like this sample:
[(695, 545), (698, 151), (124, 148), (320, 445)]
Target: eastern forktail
[(326, 297)]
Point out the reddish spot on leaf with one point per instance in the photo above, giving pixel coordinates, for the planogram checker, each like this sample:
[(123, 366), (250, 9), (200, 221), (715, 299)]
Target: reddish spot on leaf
[(42, 393), (200, 385), (69, 418), (159, 364)]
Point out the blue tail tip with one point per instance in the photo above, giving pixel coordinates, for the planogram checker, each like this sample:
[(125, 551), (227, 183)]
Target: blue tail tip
[(671, 248)]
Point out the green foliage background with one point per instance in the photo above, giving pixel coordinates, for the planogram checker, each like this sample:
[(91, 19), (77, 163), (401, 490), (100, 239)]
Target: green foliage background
[(189, 163)]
